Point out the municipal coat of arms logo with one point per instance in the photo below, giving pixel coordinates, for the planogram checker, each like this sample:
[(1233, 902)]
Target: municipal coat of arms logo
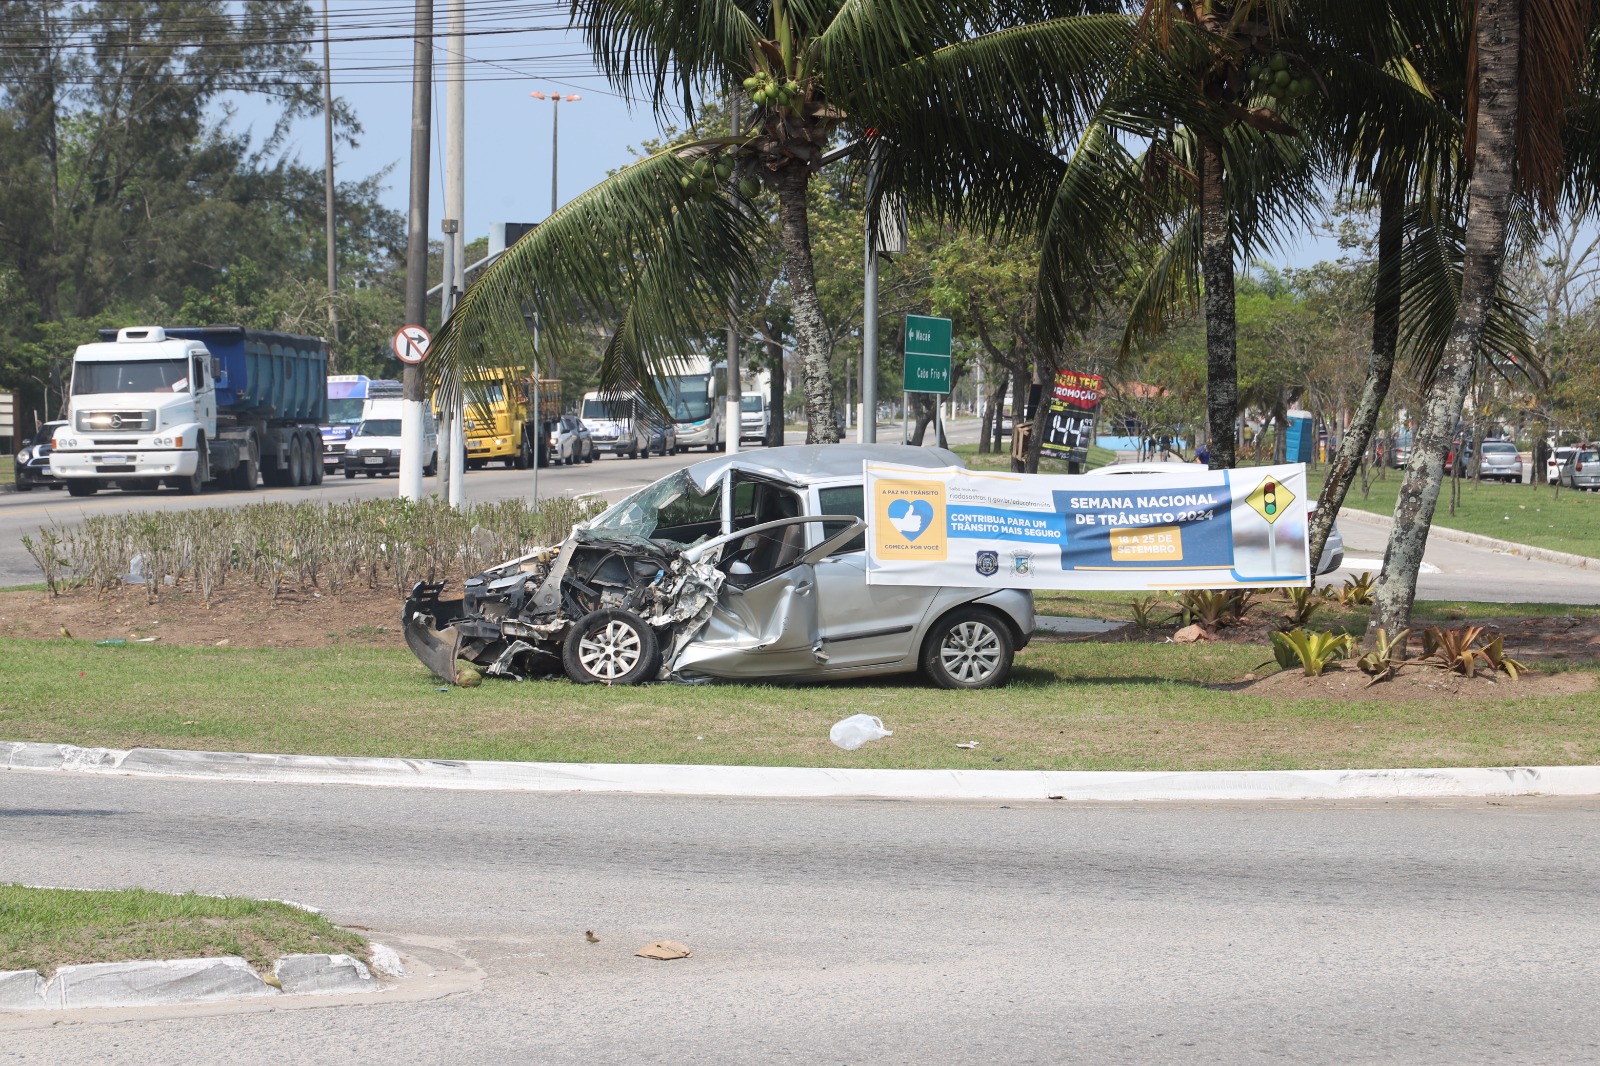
[(1022, 563)]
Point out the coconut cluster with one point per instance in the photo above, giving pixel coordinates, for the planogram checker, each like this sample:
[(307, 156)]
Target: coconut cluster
[(1274, 77), (768, 91)]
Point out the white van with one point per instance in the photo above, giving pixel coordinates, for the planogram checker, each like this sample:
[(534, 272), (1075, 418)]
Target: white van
[(753, 417), (374, 448)]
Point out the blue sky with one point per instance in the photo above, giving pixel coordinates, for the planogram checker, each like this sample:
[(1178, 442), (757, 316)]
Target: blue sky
[(508, 133)]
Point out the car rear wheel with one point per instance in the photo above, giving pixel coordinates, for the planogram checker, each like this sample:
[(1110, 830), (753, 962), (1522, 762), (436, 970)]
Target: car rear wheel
[(611, 647), (971, 647)]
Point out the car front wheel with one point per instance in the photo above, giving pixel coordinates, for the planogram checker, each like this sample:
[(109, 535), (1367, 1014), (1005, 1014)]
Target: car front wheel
[(611, 647), (971, 647)]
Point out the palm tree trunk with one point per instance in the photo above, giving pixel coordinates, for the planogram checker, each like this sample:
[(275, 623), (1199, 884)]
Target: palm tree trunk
[(810, 334), (1499, 35), (1216, 266), (1380, 368)]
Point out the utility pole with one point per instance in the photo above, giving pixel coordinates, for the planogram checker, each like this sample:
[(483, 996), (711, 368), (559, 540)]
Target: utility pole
[(411, 410), (327, 174), (450, 470), (868, 431), (455, 199), (734, 415)]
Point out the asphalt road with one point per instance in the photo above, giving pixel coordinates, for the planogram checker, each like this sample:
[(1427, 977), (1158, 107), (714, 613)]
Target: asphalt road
[(857, 932)]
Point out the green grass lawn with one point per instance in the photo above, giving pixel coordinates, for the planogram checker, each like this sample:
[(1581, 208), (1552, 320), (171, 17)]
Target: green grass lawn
[(45, 928), (1069, 706), (1525, 514)]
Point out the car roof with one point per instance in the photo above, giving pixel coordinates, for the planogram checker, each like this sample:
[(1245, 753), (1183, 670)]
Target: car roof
[(805, 464)]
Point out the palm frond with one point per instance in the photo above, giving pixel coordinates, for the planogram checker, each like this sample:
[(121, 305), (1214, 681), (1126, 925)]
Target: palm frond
[(637, 250), (1430, 281), (665, 52)]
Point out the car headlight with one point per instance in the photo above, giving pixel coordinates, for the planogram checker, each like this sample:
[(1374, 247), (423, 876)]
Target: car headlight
[(395, 452)]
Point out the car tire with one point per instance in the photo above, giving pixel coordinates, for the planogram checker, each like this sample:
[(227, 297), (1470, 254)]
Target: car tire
[(23, 486), (611, 647), (969, 648), (350, 475)]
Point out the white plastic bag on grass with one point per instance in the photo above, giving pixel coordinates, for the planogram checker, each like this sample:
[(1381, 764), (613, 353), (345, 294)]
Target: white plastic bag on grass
[(856, 730)]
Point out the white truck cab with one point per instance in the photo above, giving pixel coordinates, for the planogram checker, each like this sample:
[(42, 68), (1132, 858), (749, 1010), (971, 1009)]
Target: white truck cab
[(138, 409)]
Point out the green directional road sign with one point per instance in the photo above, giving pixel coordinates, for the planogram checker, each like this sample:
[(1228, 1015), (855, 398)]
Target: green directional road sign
[(927, 351)]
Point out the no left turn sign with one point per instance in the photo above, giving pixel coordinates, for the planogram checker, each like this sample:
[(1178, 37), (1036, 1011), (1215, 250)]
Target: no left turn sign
[(411, 344)]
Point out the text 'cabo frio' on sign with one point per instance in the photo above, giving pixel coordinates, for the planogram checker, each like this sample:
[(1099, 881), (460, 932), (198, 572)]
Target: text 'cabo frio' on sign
[(1188, 528)]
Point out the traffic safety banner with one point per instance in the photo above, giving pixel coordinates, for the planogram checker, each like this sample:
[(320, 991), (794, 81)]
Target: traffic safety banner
[(1190, 528)]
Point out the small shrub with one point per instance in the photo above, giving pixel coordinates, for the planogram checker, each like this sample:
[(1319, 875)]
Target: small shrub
[(1461, 650), (1144, 612), (1357, 591), (1211, 608), (275, 546), (1313, 652), (1387, 656), (1303, 603)]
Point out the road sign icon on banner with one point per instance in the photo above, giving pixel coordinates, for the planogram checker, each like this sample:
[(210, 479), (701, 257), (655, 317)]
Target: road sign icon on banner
[(411, 344), (1270, 499)]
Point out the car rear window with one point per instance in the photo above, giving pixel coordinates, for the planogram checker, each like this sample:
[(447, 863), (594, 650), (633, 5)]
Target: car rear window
[(1499, 449), (1589, 457)]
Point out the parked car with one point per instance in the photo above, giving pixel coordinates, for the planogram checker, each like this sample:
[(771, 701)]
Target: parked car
[(1500, 461), (1332, 549), (1399, 451), (669, 583), (1582, 470), (1558, 458), (661, 438), (569, 441), (31, 465)]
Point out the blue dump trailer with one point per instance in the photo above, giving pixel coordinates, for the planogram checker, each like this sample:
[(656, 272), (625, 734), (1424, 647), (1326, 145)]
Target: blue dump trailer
[(194, 406)]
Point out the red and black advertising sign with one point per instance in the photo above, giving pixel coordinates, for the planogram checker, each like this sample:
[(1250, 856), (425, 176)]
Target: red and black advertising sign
[(1070, 429)]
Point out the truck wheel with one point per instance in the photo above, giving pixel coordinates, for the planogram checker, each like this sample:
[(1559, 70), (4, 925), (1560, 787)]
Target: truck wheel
[(314, 458), (195, 483), (248, 471), (299, 475), (971, 647), (524, 457), (433, 466), (350, 475), (82, 487), (610, 647)]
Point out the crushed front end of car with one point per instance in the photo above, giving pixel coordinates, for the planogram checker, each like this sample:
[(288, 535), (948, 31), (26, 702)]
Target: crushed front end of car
[(603, 606)]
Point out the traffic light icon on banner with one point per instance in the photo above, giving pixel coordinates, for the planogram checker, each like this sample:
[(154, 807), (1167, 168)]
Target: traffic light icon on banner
[(1270, 499)]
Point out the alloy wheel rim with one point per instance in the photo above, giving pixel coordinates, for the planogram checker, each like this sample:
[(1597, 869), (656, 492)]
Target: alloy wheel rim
[(970, 652), (610, 652)]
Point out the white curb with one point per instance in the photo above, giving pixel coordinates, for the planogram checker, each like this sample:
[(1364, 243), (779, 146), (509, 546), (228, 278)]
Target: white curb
[(167, 982), (1477, 540), (800, 782)]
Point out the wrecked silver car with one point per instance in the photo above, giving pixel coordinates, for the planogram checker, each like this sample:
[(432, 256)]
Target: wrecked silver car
[(747, 566)]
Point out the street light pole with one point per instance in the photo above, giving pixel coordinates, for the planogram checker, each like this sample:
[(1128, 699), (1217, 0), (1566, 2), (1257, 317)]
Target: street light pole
[(411, 417), (555, 136)]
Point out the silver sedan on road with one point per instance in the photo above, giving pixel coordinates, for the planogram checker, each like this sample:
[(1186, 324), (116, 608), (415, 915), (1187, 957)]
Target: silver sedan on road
[(749, 566)]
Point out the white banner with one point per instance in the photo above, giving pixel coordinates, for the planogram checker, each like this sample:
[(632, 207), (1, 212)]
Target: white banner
[(1190, 528)]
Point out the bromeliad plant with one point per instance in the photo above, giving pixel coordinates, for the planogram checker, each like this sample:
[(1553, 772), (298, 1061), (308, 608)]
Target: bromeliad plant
[(1311, 651), (1303, 603), (1387, 656), (1461, 650), (1211, 608)]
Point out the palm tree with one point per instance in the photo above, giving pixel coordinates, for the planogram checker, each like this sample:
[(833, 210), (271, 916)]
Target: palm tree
[(664, 247), (1525, 66)]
